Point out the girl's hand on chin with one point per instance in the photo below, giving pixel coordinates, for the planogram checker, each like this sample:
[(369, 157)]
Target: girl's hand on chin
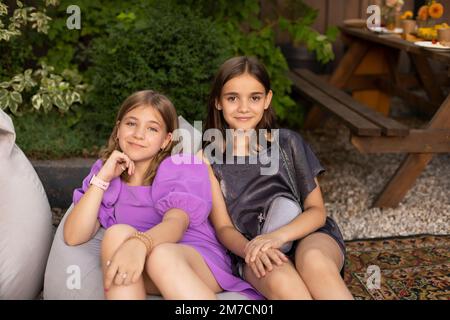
[(116, 164)]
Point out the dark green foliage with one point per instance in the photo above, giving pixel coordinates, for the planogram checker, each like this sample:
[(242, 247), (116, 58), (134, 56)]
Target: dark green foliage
[(68, 48), (14, 56), (55, 135), (165, 48), (172, 46)]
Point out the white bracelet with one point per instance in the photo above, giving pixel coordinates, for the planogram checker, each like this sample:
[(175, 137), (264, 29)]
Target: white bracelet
[(99, 182)]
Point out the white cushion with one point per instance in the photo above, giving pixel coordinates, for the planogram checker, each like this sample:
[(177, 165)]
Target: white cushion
[(25, 220)]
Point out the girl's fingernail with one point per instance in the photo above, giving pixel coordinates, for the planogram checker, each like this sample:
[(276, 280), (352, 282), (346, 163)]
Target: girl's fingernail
[(108, 263)]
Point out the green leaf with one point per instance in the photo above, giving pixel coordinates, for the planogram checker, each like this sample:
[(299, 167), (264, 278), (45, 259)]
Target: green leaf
[(4, 102), (29, 83), (17, 78), (68, 97), (46, 102), (16, 97), (18, 87), (3, 9), (51, 3), (76, 97), (59, 102), (13, 106), (3, 93), (63, 85), (37, 101), (255, 23), (284, 23), (4, 85), (332, 33), (321, 37)]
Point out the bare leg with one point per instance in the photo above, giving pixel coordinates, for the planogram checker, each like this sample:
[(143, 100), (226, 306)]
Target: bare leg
[(318, 259), (282, 283), (112, 240), (180, 272)]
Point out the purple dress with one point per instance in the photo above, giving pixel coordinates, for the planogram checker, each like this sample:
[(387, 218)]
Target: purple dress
[(184, 186)]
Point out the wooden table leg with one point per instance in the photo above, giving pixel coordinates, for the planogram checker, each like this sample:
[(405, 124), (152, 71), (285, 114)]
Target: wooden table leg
[(339, 79), (413, 165), (403, 180), (427, 78), (375, 63)]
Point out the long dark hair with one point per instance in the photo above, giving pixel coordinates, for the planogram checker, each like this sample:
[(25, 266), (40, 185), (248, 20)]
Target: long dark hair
[(230, 69)]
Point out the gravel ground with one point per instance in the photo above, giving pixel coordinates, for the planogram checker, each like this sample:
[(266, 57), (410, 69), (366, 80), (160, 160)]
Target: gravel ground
[(352, 180)]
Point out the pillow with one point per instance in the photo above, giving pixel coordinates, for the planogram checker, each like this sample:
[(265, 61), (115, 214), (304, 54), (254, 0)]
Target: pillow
[(74, 272), (25, 220)]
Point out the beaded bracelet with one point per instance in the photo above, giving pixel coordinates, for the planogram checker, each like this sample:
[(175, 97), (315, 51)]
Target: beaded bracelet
[(146, 239)]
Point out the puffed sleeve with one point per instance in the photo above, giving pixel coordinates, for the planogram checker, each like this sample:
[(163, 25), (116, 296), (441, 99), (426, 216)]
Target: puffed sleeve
[(306, 165), (182, 182), (106, 215)]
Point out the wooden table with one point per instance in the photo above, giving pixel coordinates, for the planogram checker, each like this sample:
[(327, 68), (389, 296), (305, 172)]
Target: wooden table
[(355, 72)]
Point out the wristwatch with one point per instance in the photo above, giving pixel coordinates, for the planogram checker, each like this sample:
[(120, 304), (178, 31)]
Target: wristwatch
[(99, 182)]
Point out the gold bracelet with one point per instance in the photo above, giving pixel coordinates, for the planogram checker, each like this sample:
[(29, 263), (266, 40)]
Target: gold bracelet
[(144, 238)]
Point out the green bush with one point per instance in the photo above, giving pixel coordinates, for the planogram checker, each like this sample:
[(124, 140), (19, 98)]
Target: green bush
[(174, 47), (14, 56), (164, 47), (251, 35), (32, 90), (70, 48), (55, 135)]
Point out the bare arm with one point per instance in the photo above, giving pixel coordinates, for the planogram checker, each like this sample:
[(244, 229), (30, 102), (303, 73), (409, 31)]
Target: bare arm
[(227, 234), (171, 229), (129, 258), (310, 220), (82, 223)]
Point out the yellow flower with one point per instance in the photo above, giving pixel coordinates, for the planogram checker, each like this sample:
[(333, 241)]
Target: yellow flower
[(423, 13), (427, 33), (436, 10), (407, 15), (441, 26)]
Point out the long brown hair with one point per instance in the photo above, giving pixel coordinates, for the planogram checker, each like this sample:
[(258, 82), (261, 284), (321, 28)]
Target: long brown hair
[(230, 69), (168, 113)]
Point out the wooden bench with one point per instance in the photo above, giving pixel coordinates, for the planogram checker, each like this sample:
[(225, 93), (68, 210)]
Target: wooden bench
[(372, 132), (360, 119)]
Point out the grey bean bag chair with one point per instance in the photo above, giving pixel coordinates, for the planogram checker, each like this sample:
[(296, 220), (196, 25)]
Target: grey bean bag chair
[(25, 220), (75, 272)]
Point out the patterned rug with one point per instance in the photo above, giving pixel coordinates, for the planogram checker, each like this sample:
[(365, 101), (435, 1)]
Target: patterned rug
[(406, 268)]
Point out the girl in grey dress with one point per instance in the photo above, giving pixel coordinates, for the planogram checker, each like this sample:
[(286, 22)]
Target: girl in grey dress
[(246, 183)]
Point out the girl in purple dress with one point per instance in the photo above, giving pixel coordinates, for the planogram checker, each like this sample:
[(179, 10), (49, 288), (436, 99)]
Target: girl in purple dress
[(158, 238)]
